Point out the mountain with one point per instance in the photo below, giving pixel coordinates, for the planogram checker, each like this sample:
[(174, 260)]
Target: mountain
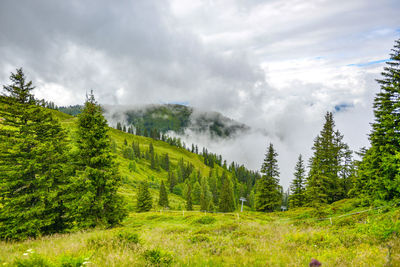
[(170, 117)]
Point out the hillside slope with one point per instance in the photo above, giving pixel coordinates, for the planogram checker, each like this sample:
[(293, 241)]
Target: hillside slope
[(143, 170)]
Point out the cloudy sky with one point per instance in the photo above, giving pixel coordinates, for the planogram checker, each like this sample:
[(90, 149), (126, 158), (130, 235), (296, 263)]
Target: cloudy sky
[(277, 66)]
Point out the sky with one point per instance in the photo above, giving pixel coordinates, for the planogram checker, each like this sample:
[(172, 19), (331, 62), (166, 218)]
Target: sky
[(277, 66)]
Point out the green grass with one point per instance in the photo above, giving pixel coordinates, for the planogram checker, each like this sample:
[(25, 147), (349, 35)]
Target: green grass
[(232, 239)]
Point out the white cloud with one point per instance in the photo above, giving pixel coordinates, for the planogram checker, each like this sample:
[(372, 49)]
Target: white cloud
[(275, 65)]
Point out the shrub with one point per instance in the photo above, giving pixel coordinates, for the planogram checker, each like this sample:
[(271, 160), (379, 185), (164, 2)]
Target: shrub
[(205, 220), (70, 261), (199, 238), (158, 257), (128, 237)]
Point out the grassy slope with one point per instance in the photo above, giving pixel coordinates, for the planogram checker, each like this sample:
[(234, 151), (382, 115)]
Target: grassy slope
[(143, 170), (195, 239)]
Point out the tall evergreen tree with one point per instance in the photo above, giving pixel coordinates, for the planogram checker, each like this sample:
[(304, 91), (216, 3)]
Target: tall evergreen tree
[(97, 179), (196, 193), (189, 204), (324, 183), (268, 194), (205, 195), (226, 199), (297, 188), (379, 176), (163, 197), (144, 200), (32, 164)]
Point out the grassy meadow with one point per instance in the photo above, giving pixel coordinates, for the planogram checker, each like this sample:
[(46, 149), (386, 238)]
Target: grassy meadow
[(177, 238)]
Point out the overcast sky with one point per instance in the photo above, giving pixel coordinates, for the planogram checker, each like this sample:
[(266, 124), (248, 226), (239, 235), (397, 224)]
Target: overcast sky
[(277, 66)]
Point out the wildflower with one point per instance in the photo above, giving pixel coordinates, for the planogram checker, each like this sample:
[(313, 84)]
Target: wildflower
[(315, 263)]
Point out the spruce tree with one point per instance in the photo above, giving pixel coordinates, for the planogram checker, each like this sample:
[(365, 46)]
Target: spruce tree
[(33, 160), (144, 200), (324, 182), (163, 197), (97, 180), (297, 188), (226, 199), (196, 192), (378, 176), (171, 181), (189, 204), (205, 196), (268, 195)]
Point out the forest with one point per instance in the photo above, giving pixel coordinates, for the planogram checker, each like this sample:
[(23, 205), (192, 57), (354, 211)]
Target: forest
[(75, 191)]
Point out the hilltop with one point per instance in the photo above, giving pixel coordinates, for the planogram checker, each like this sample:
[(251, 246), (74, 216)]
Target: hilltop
[(169, 117)]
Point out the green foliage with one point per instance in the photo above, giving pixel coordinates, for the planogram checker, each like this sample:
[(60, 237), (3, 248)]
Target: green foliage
[(331, 168), (297, 188), (226, 199), (158, 257), (94, 189), (205, 196), (129, 237), (144, 200), (33, 171), (70, 261), (268, 191), (163, 196), (189, 205), (379, 176), (205, 220), (196, 192)]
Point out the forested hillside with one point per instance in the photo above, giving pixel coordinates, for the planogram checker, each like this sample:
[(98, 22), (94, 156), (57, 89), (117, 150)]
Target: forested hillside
[(169, 117)]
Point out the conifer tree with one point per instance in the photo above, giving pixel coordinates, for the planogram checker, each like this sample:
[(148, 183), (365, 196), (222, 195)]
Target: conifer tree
[(33, 149), (196, 193), (163, 197), (324, 183), (144, 200), (205, 196), (226, 199), (171, 181), (268, 195), (378, 176), (189, 205), (297, 188), (97, 180)]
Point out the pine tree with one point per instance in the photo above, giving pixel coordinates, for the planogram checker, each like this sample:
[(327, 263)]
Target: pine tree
[(144, 201), (268, 195), (324, 183), (163, 197), (196, 193), (297, 188), (205, 196), (171, 181), (226, 199), (97, 180), (189, 205), (379, 176), (33, 149)]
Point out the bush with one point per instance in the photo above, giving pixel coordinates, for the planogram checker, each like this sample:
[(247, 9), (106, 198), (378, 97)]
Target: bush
[(32, 259), (70, 261), (205, 220), (128, 237), (199, 238), (158, 257)]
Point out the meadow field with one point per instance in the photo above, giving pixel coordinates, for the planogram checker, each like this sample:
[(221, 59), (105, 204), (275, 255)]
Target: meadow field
[(352, 237)]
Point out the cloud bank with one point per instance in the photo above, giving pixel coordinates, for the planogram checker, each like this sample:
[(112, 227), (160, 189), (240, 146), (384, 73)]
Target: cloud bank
[(277, 66)]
